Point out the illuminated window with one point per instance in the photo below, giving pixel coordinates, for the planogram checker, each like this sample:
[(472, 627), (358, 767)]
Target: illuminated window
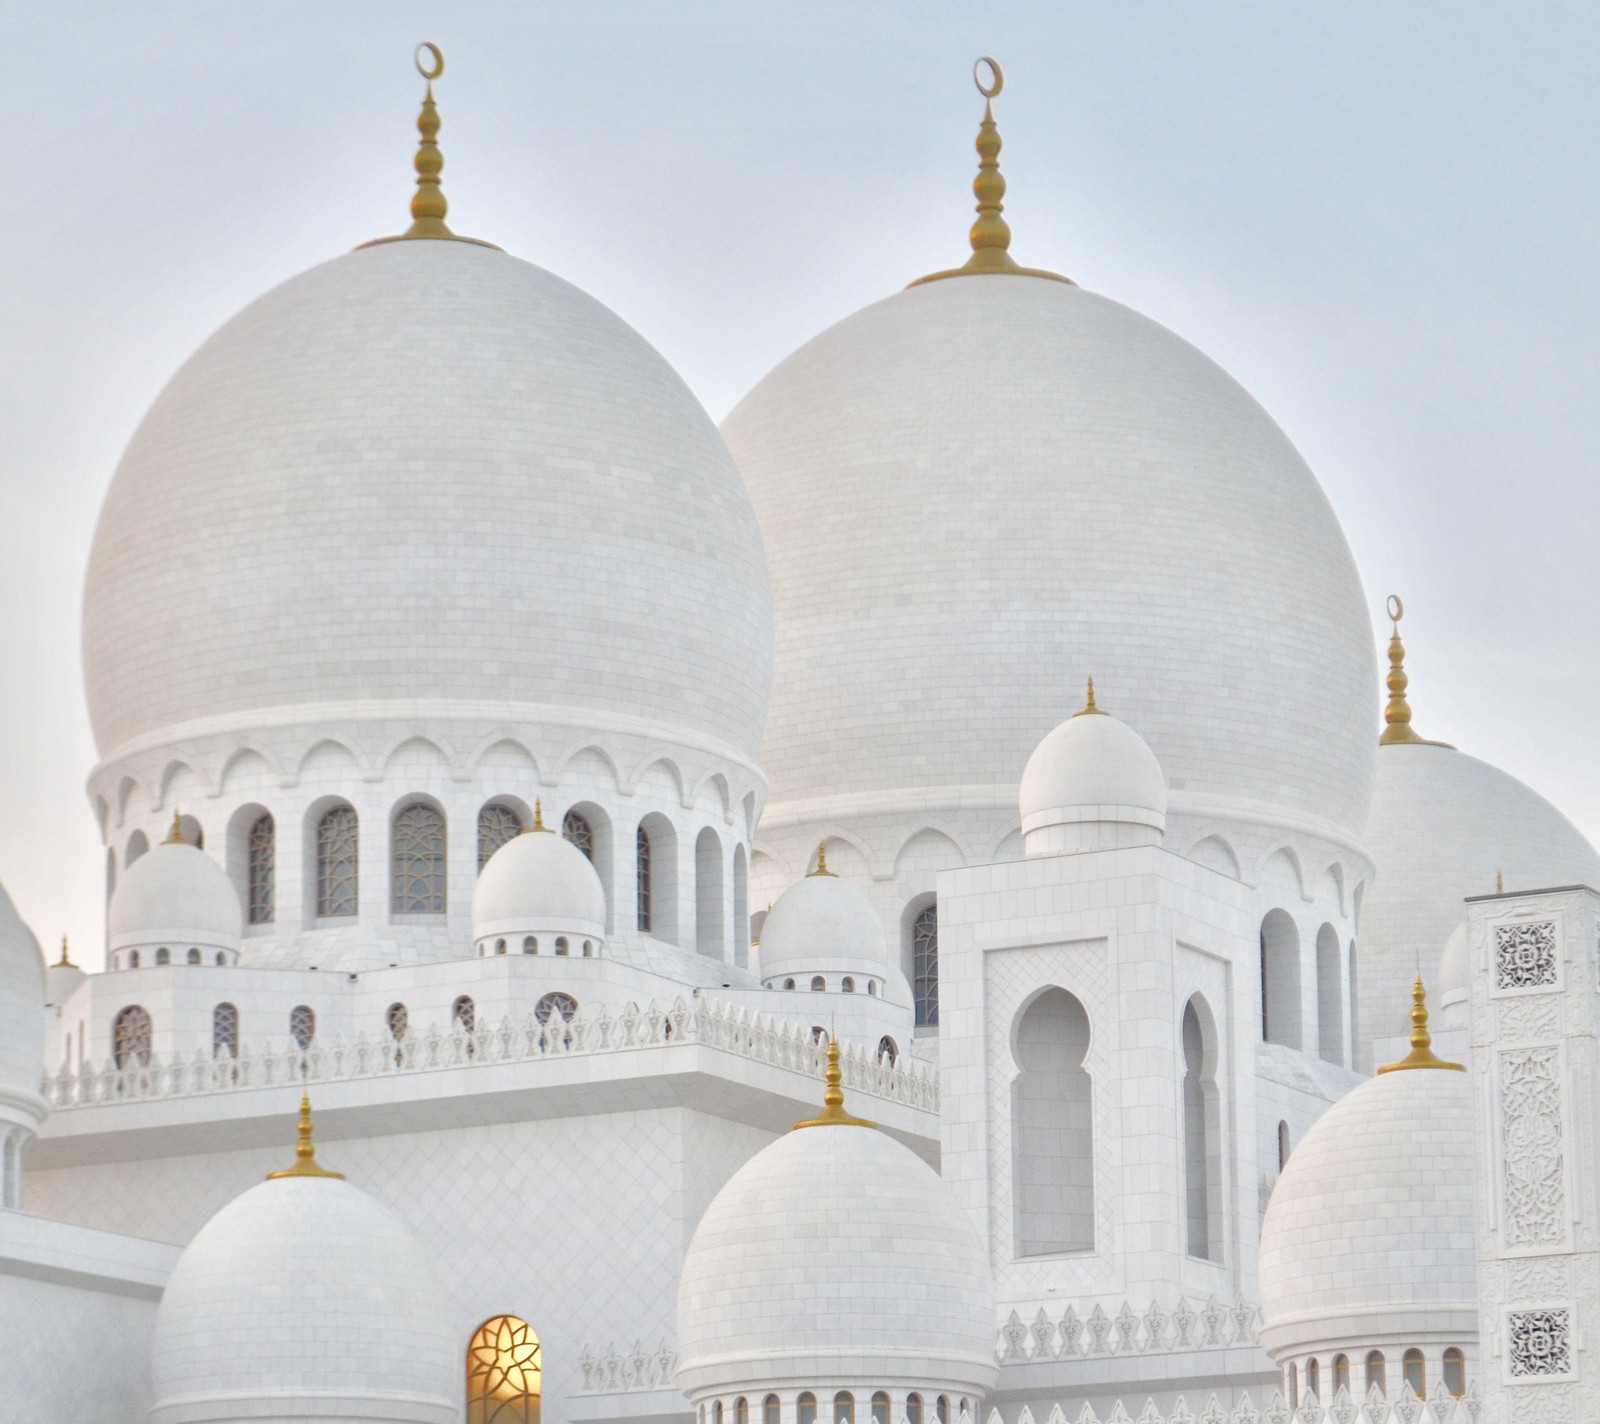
[(925, 963), (418, 842), (302, 1026), (338, 854), (888, 1049), (465, 1013), (225, 1031), (563, 1004), (496, 825), (641, 862), (1377, 1376), (576, 828), (130, 1037), (1414, 1370), (504, 1370), (1455, 1372), (261, 869)]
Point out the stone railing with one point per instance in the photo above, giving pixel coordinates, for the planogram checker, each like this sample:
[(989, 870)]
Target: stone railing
[(1438, 1408), (611, 1371), (1156, 1331), (704, 1021)]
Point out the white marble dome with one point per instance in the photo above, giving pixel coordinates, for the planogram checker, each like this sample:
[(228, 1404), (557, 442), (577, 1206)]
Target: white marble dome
[(835, 1258), (1455, 980), (424, 476), (1442, 825), (538, 883), (22, 1031), (176, 897), (1093, 782), (822, 925), (1369, 1238), (305, 1299), (981, 490)]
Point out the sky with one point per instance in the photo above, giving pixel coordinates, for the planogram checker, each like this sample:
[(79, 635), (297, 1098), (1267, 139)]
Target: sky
[(1382, 219)]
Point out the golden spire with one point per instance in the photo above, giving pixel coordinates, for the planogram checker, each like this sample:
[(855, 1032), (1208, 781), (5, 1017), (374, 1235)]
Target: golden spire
[(822, 862), (175, 836), (833, 1113), (64, 962), (991, 234), (1422, 1054), (1499, 886), (538, 816), (1397, 715), (428, 204), (305, 1155), (1089, 709)]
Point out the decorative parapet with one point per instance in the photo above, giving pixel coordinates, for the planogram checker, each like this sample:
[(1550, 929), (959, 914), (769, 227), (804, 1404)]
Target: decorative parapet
[(1439, 1408), (1156, 1331), (610, 1371), (708, 1022)]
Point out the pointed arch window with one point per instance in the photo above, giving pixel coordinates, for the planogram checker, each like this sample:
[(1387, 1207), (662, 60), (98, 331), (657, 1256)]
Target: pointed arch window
[(641, 861), (555, 1003), (131, 1033), (338, 862), (576, 828), (497, 824), (261, 869), (418, 844), (303, 1026), (225, 1031), (505, 1371), (925, 963), (465, 1013)]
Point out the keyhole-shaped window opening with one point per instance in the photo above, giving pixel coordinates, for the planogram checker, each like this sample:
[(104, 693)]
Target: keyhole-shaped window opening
[(261, 860), (1202, 1134), (505, 1370), (1052, 1108)]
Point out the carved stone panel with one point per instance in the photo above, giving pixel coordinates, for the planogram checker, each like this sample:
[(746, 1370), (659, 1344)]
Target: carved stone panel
[(1533, 1206), (1539, 1343), (1525, 957)]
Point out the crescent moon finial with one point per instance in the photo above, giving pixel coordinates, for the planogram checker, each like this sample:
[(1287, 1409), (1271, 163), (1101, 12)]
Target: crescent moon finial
[(997, 78), (1397, 609), (431, 71)]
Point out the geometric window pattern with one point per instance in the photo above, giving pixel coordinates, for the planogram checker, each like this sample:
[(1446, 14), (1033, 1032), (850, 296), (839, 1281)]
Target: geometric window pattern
[(225, 1031), (504, 1369), (1525, 956), (130, 1037), (1539, 1342), (418, 861), (262, 856), (497, 824), (925, 964), (303, 1026), (563, 1004), (641, 854), (465, 1013), (338, 847), (576, 828), (398, 1020)]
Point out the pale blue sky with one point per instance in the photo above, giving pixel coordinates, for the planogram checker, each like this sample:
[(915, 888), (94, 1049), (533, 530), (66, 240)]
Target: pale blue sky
[(1381, 218)]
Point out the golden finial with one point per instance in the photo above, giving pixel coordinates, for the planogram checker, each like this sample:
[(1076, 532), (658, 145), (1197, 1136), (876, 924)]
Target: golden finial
[(64, 962), (1397, 715), (833, 1113), (822, 861), (1499, 883), (1422, 1054), (428, 204), (538, 815), (305, 1155), (991, 234), (175, 836), (1089, 709)]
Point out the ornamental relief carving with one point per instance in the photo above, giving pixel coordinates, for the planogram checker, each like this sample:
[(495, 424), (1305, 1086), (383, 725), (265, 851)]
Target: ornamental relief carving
[(1538, 1343), (1533, 1208), (1528, 1018), (1538, 1279), (1525, 956)]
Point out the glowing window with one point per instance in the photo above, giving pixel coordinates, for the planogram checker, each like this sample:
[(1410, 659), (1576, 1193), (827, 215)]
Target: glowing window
[(504, 1373), (641, 863), (563, 1004), (1414, 1370), (576, 828), (465, 1013), (888, 1050), (418, 841), (130, 1037), (925, 964), (1455, 1372), (496, 825), (338, 855), (303, 1026), (261, 869), (225, 1031)]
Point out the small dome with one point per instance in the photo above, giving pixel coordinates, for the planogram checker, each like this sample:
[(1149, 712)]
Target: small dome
[(538, 883), (1455, 980), (22, 1020), (1369, 1237), (175, 896), (836, 1258), (1092, 783), (822, 925), (306, 1292)]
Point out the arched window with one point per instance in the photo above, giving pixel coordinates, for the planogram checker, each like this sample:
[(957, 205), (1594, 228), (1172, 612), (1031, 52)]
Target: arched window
[(941, 1409), (130, 1037), (338, 857), (716, 1413), (709, 923), (888, 1049), (497, 824), (741, 1410), (1052, 1135), (303, 1026), (576, 828), (588, 948), (504, 1373), (530, 944), (163, 956), (805, 1410), (555, 1003), (261, 863), (880, 1408), (1283, 1145), (788, 983), (225, 1031), (1294, 1385), (138, 844), (1330, 996), (1341, 1373), (641, 864), (1455, 1372), (499, 946), (847, 984), (398, 1021), (561, 944), (194, 956), (1314, 1378), (913, 1409), (818, 984), (1414, 1371), (925, 963), (819, 1035), (133, 960), (1355, 1018), (465, 1013), (418, 861), (1377, 1375), (741, 908), (220, 958), (771, 1411), (872, 987), (1202, 1157), (1280, 980), (844, 1407)]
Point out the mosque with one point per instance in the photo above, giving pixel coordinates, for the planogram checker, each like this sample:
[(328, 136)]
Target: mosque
[(894, 911)]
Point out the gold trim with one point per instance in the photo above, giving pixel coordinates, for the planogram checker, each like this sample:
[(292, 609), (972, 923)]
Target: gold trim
[(175, 836), (833, 1113), (1089, 709), (64, 962), (538, 818), (1422, 1054), (991, 234), (305, 1155), (822, 864), (1397, 715)]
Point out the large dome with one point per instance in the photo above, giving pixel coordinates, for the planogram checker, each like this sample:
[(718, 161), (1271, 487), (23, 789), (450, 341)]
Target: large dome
[(980, 490), (427, 472), (1443, 825)]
